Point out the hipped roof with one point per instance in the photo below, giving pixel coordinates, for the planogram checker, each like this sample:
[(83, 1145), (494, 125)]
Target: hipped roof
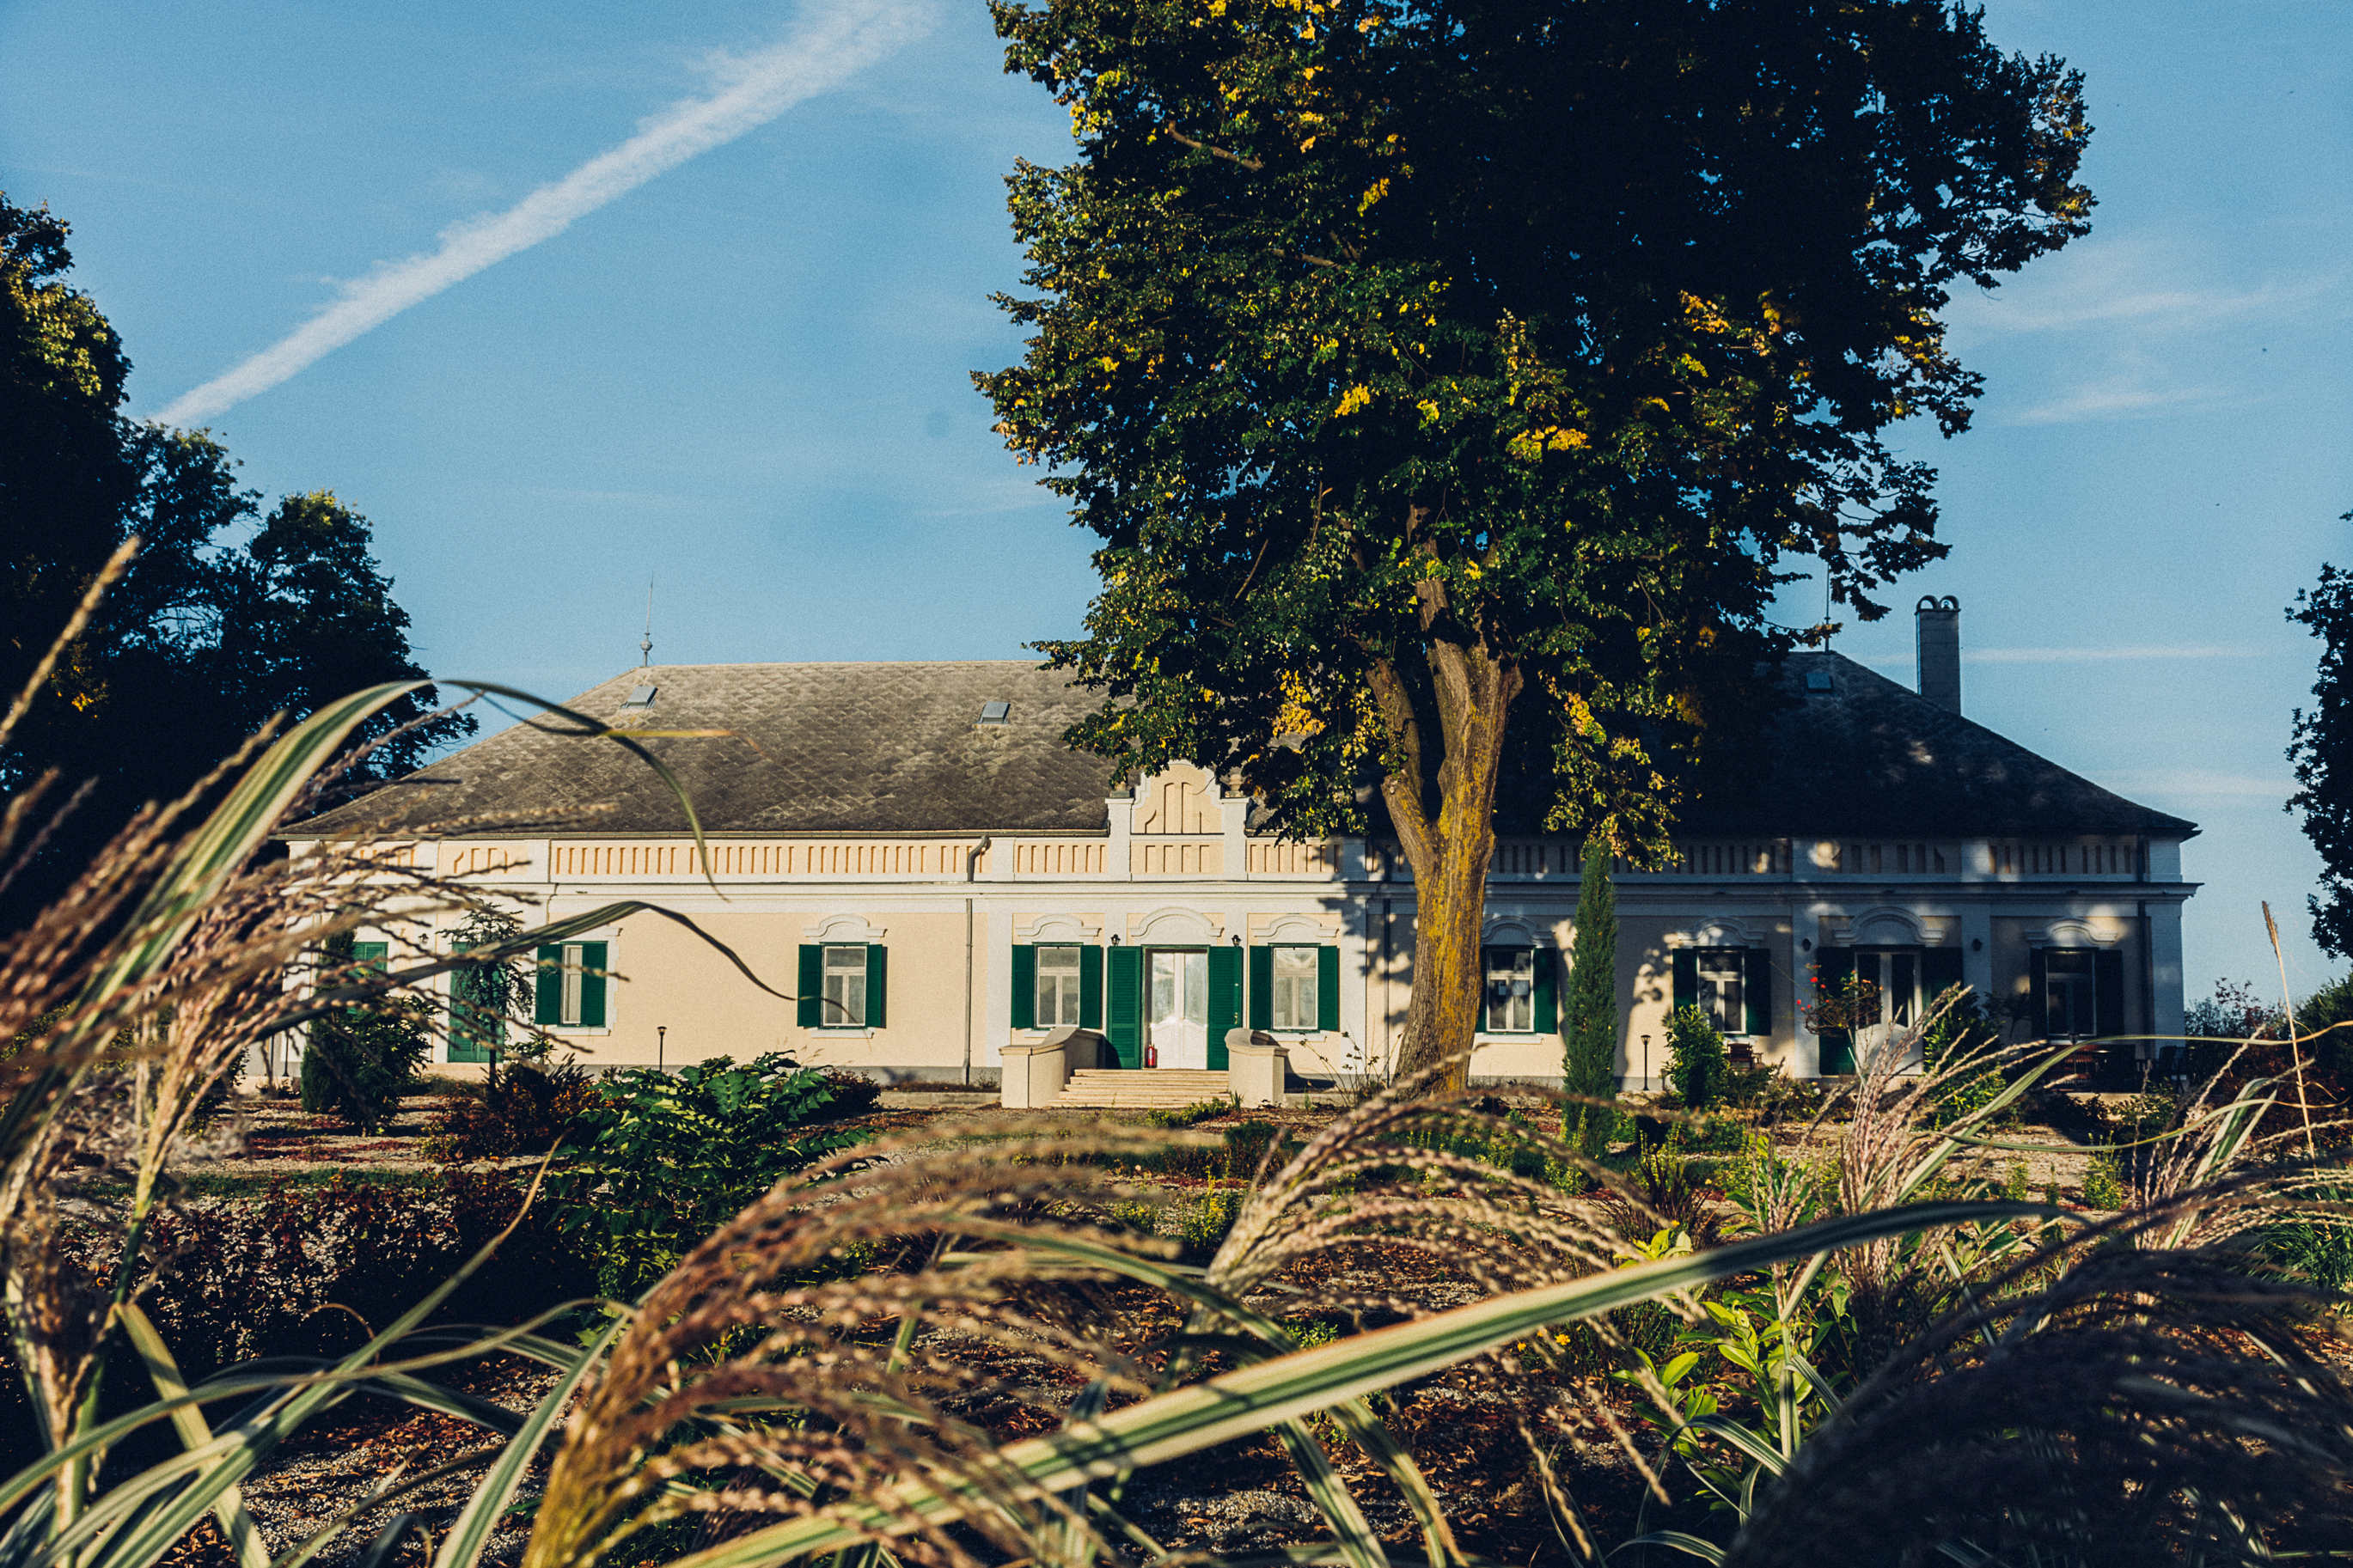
[(899, 747)]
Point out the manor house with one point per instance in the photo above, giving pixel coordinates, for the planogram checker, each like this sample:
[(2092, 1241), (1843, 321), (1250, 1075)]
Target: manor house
[(911, 853)]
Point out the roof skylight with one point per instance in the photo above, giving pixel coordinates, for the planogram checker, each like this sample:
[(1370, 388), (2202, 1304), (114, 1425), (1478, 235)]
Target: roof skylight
[(995, 712), (641, 697)]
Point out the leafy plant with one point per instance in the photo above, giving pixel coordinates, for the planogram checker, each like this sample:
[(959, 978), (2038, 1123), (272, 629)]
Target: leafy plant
[(665, 1159), (490, 1003), (1696, 1062), (360, 1060), (523, 1111)]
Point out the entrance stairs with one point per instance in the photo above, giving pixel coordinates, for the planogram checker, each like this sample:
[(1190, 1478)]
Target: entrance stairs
[(1153, 1089)]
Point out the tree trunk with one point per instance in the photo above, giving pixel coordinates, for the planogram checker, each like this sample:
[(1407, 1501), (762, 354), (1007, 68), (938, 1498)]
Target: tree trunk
[(1448, 841)]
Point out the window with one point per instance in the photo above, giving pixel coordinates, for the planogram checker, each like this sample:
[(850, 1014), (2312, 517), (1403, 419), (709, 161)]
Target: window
[(569, 992), (845, 988), (843, 985), (1057, 987), (1721, 973), (1295, 972), (1510, 990)]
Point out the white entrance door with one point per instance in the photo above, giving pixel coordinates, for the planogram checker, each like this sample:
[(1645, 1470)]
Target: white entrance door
[(1895, 976), (1180, 1010)]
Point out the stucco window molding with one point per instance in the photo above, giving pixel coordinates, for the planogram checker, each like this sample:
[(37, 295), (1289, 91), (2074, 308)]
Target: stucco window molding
[(1887, 926), (1296, 931), (2073, 934), (1049, 931), (1723, 933), (1176, 927), (842, 928), (1513, 931)]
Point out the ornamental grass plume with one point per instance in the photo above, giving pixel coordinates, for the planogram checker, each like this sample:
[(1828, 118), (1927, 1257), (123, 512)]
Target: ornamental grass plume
[(2151, 1407), (811, 1392)]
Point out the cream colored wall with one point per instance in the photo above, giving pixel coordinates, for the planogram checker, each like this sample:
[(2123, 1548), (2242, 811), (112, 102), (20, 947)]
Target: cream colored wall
[(667, 975), (1646, 991), (924, 1007)]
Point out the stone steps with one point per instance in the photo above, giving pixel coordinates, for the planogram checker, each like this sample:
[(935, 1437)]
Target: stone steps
[(1156, 1089)]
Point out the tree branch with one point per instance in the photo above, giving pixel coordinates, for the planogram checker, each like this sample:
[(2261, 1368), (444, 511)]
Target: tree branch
[(1253, 165)]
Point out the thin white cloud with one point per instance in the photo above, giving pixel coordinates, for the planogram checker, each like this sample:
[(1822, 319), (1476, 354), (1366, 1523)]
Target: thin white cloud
[(834, 41), (2119, 398), (2099, 655)]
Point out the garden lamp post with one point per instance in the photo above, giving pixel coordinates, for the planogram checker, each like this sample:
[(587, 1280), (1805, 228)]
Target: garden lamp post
[(661, 1040), (1646, 1064)]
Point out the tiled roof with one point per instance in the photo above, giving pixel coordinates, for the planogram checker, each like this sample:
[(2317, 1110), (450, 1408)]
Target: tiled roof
[(899, 747), (1873, 756), (819, 748)]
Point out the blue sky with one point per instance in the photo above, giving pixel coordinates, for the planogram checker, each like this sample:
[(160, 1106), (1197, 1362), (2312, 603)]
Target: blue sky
[(746, 376)]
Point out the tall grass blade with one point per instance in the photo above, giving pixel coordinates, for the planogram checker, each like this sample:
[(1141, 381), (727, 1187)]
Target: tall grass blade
[(472, 1532)]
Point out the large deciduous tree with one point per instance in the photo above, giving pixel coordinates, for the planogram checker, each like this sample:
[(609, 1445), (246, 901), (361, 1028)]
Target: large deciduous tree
[(2322, 753), (224, 618), (1450, 382)]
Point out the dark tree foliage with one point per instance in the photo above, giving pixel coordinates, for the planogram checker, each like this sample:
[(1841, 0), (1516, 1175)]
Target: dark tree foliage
[(1449, 383), (2322, 754), (225, 618)]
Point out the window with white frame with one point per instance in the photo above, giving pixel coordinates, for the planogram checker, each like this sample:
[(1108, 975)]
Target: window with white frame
[(1296, 1004), (575, 964), (845, 987), (1721, 973), (1510, 990), (1058, 987)]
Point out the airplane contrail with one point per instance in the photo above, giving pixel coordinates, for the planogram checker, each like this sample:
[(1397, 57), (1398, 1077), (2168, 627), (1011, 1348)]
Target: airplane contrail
[(834, 42)]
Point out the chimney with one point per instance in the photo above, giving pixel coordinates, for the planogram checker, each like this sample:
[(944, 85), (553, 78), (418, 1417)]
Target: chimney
[(1940, 651)]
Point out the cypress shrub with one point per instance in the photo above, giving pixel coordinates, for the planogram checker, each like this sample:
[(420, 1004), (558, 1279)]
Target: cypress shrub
[(1590, 1031)]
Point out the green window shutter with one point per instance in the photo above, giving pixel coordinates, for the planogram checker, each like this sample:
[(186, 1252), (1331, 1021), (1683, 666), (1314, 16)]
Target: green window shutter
[(593, 981), (1547, 997), (1091, 987), (1025, 986), (1124, 1014), (2108, 993), (1327, 989), (1940, 969), (1833, 966), (811, 1001), (547, 991), (878, 984), (1261, 988), (1756, 992), (1686, 967), (372, 953), (1486, 966), (1225, 1001)]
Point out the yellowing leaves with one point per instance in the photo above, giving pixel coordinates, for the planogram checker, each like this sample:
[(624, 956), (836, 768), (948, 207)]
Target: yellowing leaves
[(1530, 445), (1356, 398), (1380, 188)]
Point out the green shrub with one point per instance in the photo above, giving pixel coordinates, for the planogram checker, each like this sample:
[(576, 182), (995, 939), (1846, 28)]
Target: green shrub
[(1696, 1063), (523, 1112), (1187, 1115), (2103, 1188), (1203, 1222), (358, 1063), (2017, 1189), (666, 1159)]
